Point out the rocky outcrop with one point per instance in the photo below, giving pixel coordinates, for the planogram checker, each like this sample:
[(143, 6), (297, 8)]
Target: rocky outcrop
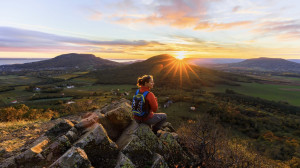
[(75, 157), (108, 137)]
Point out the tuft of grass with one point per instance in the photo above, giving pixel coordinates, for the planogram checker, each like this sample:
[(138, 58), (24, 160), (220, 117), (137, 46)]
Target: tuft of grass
[(14, 125), (13, 144)]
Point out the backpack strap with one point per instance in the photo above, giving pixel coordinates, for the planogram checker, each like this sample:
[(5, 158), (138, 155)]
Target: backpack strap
[(145, 94), (137, 91)]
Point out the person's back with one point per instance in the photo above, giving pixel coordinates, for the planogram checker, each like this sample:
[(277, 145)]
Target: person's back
[(155, 120)]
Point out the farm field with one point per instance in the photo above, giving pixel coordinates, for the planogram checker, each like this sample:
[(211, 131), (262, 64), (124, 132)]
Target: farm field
[(285, 93), (10, 80), (71, 75)]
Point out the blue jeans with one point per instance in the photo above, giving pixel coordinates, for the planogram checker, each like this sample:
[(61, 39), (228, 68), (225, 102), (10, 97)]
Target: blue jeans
[(156, 121)]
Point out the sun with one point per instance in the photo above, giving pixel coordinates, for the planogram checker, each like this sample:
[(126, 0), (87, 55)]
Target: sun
[(180, 55)]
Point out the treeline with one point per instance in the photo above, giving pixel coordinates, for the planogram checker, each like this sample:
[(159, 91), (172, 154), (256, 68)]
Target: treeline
[(271, 106), (274, 126), (210, 146), (6, 88), (23, 112)]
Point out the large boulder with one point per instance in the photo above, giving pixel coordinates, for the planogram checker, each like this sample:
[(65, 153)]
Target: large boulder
[(75, 157), (59, 129), (108, 107), (56, 149), (108, 139), (138, 152), (127, 134), (112, 131), (175, 154), (100, 149), (146, 135), (141, 136), (116, 118), (33, 155), (120, 116), (86, 123)]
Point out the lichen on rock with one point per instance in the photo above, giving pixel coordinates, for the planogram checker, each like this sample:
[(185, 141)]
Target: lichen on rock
[(100, 149), (75, 157)]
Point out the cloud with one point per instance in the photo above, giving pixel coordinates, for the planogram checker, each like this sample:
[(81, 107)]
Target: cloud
[(284, 30), (249, 10), (13, 39), (180, 14), (176, 13), (96, 15), (293, 35), (236, 8), (220, 26)]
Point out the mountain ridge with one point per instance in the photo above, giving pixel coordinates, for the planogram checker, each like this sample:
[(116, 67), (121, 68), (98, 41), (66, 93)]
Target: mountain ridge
[(64, 61), (167, 71), (263, 64)]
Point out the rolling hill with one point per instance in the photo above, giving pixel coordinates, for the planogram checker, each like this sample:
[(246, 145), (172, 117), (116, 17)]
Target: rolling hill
[(167, 71), (263, 64), (63, 62)]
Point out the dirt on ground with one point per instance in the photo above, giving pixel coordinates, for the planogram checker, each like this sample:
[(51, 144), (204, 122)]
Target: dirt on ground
[(15, 137)]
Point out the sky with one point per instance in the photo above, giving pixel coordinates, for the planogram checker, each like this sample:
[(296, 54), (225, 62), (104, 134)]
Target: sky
[(139, 29)]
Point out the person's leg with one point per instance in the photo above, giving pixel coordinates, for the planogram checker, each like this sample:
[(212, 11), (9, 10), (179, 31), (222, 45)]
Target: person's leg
[(157, 121)]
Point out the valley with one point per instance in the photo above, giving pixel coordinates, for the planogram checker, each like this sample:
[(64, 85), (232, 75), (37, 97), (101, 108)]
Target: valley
[(262, 109)]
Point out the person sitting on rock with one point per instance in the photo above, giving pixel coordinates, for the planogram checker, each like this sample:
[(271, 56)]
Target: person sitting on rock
[(144, 104)]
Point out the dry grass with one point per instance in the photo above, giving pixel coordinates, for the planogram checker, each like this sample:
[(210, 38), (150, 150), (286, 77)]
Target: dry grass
[(14, 135), (19, 135)]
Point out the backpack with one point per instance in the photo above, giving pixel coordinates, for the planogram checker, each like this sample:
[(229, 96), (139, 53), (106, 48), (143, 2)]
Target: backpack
[(140, 107)]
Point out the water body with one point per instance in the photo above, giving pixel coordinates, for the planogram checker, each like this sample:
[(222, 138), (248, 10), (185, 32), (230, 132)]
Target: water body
[(295, 60), (10, 61), (125, 60)]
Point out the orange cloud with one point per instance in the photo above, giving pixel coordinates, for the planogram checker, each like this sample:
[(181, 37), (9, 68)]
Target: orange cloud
[(283, 30), (222, 26), (176, 13), (181, 15)]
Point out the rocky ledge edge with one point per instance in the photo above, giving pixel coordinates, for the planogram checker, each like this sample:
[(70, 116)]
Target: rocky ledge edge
[(107, 137)]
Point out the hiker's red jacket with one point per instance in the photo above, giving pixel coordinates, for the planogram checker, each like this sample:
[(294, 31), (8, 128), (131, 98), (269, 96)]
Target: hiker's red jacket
[(152, 102)]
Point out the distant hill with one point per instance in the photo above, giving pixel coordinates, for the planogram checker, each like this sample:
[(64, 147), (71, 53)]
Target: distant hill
[(295, 60), (65, 61), (211, 61), (167, 71), (264, 64)]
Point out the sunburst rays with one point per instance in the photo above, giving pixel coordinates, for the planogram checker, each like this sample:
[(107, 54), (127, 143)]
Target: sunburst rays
[(178, 68)]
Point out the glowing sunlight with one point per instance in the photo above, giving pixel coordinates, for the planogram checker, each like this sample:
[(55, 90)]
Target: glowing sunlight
[(180, 55)]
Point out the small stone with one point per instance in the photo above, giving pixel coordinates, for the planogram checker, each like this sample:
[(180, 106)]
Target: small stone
[(167, 129), (72, 136)]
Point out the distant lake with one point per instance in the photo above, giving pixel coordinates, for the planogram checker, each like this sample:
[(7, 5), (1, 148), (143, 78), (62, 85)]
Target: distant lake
[(9, 61), (124, 60)]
